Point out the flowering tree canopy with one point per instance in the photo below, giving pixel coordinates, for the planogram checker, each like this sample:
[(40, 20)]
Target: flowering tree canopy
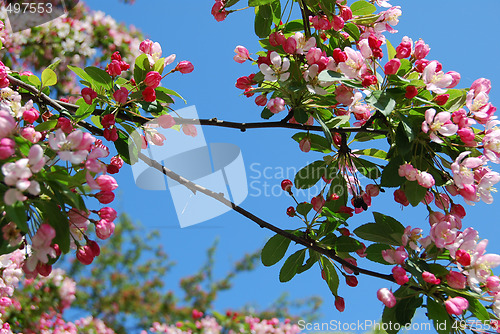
[(330, 73)]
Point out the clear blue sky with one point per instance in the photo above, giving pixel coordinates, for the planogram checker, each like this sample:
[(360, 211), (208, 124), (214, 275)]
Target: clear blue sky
[(462, 35)]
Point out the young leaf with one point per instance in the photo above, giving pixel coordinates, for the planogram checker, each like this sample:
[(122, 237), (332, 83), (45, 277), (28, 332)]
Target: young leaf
[(362, 8), (310, 175), (170, 92), (318, 143), (437, 313), (100, 76), (390, 176), (331, 276), (345, 244), (291, 265), (415, 193), (263, 20), (255, 3), (386, 230), (49, 77), (274, 250), (374, 253), (33, 79), (381, 101)]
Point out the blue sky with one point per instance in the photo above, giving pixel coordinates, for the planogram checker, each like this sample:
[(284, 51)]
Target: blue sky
[(462, 36)]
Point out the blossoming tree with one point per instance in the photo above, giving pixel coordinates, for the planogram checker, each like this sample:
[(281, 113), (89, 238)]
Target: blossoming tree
[(329, 75)]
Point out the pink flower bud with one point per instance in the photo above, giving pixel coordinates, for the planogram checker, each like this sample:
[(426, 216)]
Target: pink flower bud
[(108, 120), (458, 210), (338, 23), (277, 38), (318, 202), (286, 185), (386, 297), (411, 92), (111, 134), (352, 281), (345, 13), (404, 49), (463, 257), (426, 180), (441, 99), (430, 278), (242, 54), (456, 305), (400, 275), (94, 247), (7, 148), (305, 144), (114, 68), (115, 164), (218, 12), (261, 100), (400, 197), (121, 95), (421, 49), (442, 201), (291, 211), (44, 269), (290, 45), (428, 198), (276, 105), (31, 115), (107, 213), (104, 229), (372, 190), (152, 79), (339, 56), (456, 78), (369, 80), (149, 94), (64, 124), (105, 197), (493, 283), (88, 95), (166, 121), (185, 67), (467, 135), (339, 303), (408, 171), (189, 130), (85, 255), (106, 183), (392, 66), (456, 280)]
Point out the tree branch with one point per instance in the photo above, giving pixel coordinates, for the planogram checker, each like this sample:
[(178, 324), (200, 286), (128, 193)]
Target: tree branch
[(60, 106)]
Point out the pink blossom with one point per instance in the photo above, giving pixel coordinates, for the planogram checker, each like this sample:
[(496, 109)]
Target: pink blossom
[(88, 95), (7, 148), (395, 256), (351, 261), (425, 179), (31, 134), (242, 54), (121, 95), (481, 85), (149, 94), (108, 120), (189, 130), (467, 136), (456, 280), (185, 67), (456, 78), (485, 186), (85, 255), (106, 182), (405, 48), (408, 171), (430, 278), (218, 12), (7, 123), (436, 81), (337, 23), (442, 234), (166, 121), (107, 213), (79, 218), (277, 69), (392, 66), (400, 275), (354, 63), (493, 283), (276, 105), (456, 305), (372, 190), (104, 229), (421, 49), (318, 202), (439, 123), (305, 144), (152, 79), (344, 95), (411, 236), (31, 115), (68, 147), (462, 169), (105, 197), (339, 303), (386, 297)]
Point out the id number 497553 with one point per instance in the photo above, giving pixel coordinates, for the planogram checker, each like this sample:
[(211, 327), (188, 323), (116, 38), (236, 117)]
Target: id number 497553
[(29, 7)]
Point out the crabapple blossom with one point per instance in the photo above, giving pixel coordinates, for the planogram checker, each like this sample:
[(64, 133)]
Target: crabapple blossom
[(438, 123), (242, 54), (456, 280), (425, 179), (276, 105), (189, 130), (400, 275), (392, 66), (152, 79), (395, 256), (430, 278), (277, 69), (121, 95), (386, 297), (436, 80), (88, 95), (456, 305), (411, 92), (166, 121), (305, 144), (7, 148), (421, 50), (149, 94), (339, 303), (184, 67), (68, 147)]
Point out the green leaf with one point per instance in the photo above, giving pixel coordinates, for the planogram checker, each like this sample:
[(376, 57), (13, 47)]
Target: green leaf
[(84, 110), (391, 51), (326, 130), (478, 309), (372, 152), (304, 208), (437, 313), (367, 136), (390, 176), (255, 3), (49, 77), (438, 270), (17, 214), (313, 258), (381, 101), (33, 79), (151, 107), (274, 250), (367, 168), (331, 276), (169, 92), (415, 193), (352, 30), (403, 143), (100, 76), (122, 147), (338, 186), (141, 68), (374, 253), (310, 175), (291, 265), (266, 114), (456, 100), (263, 20), (362, 8), (386, 230), (300, 115), (293, 26), (347, 244), (81, 73), (45, 126), (331, 76)]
